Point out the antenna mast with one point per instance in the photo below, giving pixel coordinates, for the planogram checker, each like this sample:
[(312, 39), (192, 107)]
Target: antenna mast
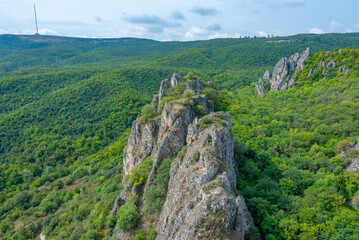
[(37, 29)]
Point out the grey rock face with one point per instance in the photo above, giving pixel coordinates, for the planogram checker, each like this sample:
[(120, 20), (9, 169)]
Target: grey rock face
[(283, 73), (164, 84), (331, 65), (175, 79), (354, 161), (342, 69), (354, 165), (267, 75), (263, 83), (321, 65), (280, 73), (201, 191), (301, 60), (310, 72), (140, 144), (194, 85)]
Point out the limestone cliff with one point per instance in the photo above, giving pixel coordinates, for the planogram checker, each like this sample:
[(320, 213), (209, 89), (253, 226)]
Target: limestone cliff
[(283, 75), (202, 201)]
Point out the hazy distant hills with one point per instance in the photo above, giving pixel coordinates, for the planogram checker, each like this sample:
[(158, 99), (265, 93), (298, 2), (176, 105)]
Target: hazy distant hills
[(29, 51)]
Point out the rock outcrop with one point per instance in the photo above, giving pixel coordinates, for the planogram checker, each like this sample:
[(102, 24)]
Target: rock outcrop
[(354, 160), (201, 201), (202, 186), (283, 75), (263, 83)]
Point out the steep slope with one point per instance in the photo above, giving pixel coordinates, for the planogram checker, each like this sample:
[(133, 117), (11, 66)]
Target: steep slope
[(202, 201), (289, 144)]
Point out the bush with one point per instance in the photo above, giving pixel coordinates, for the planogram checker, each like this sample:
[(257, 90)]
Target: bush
[(68, 181), (139, 174), (342, 146), (188, 93), (191, 76), (199, 109), (22, 200), (182, 153), (337, 160), (147, 112), (196, 156), (128, 216), (210, 120), (156, 193), (211, 94)]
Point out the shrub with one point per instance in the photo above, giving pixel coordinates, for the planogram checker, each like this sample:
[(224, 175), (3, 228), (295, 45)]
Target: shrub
[(22, 200), (128, 216), (342, 146), (151, 234), (210, 120), (163, 101), (140, 236), (139, 174), (199, 109), (156, 193), (180, 154), (196, 156), (191, 76), (68, 181), (211, 94), (337, 160), (147, 112), (188, 93), (58, 184), (209, 140)]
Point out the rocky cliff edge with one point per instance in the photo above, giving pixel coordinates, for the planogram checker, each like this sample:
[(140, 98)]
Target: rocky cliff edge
[(202, 201)]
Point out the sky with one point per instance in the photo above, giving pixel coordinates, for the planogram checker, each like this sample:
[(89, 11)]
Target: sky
[(179, 20)]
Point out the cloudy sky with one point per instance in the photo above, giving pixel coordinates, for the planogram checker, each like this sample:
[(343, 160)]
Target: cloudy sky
[(181, 20)]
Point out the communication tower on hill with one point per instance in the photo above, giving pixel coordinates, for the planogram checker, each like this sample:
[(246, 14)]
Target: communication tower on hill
[(37, 28)]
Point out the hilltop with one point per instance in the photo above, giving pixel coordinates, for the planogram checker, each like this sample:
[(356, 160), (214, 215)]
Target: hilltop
[(67, 107)]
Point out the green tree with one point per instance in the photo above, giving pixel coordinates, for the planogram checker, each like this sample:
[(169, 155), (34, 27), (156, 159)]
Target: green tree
[(128, 216)]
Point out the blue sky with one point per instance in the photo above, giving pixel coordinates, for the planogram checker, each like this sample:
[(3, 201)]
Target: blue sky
[(183, 20)]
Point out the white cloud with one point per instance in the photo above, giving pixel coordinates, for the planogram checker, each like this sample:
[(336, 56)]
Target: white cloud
[(2, 31), (196, 33), (354, 28), (334, 26), (262, 34), (316, 30), (219, 35), (224, 35), (45, 31)]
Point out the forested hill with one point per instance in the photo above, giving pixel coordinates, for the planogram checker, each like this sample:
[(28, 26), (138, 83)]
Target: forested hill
[(66, 106), (25, 51)]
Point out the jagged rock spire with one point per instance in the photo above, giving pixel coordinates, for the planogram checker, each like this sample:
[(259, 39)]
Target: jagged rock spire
[(202, 184), (283, 73)]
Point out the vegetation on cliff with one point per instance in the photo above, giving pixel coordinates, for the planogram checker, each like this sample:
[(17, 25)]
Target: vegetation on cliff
[(63, 131)]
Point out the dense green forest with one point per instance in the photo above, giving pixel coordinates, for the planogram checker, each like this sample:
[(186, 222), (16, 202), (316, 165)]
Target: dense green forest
[(67, 105)]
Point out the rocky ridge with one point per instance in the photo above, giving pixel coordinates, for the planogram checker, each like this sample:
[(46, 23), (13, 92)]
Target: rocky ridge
[(202, 201), (283, 75)]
